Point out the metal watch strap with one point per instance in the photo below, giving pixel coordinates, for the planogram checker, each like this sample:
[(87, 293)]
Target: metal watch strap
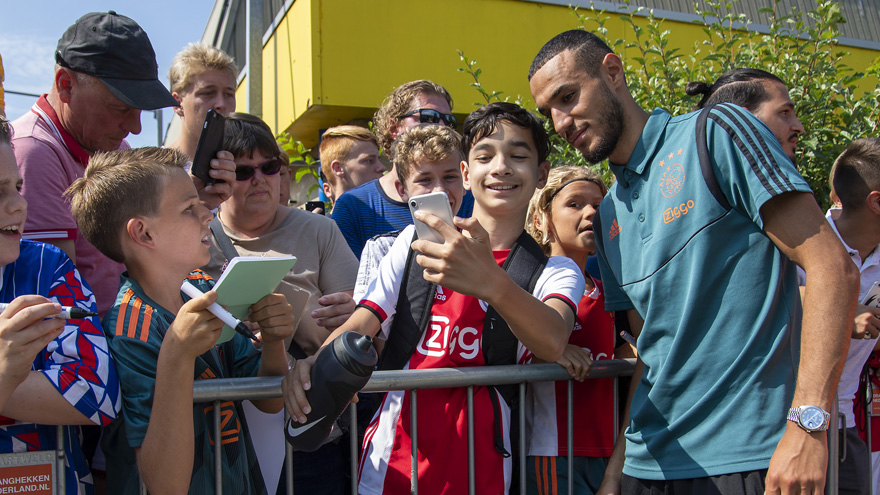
[(794, 414)]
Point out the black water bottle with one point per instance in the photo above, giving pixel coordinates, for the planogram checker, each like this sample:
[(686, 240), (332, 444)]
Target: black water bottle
[(339, 373)]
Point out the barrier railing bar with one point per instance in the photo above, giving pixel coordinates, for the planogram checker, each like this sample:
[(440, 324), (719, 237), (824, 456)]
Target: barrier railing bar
[(218, 466), (288, 468), (352, 446), (869, 406), (60, 472), (570, 436), (522, 435), (616, 393), (255, 388), (833, 448), (414, 468), (472, 477)]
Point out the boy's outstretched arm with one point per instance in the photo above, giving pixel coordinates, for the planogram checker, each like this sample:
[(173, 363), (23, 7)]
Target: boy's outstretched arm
[(466, 265), (275, 317), (165, 458), (24, 333)]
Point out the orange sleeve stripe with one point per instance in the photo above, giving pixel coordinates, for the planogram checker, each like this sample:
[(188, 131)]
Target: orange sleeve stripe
[(198, 275), (123, 308), (145, 326), (133, 318)]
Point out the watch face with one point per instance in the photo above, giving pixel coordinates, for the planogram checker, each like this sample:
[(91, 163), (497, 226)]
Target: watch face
[(812, 418)]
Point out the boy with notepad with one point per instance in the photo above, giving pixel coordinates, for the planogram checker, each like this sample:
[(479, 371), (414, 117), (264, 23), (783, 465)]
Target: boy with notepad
[(469, 280), (139, 207)]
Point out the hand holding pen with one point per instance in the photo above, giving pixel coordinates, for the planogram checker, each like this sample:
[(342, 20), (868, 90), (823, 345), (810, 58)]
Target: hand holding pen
[(27, 325), (66, 313), (218, 311)]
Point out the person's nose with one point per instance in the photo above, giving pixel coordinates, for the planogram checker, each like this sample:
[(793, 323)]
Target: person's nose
[(132, 122)]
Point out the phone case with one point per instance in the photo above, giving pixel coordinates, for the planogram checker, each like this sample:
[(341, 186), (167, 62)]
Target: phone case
[(435, 203), (210, 142)]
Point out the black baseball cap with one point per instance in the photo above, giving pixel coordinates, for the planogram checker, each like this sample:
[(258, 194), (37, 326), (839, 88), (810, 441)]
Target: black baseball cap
[(117, 51)]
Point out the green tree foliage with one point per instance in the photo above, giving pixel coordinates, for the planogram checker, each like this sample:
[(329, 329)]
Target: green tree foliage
[(800, 47), (298, 154)]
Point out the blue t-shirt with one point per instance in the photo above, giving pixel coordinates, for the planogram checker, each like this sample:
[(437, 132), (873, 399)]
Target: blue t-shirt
[(77, 363), (720, 302), (135, 327), (366, 211)]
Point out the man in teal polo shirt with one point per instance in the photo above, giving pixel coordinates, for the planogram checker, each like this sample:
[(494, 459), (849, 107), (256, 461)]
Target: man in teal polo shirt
[(702, 254)]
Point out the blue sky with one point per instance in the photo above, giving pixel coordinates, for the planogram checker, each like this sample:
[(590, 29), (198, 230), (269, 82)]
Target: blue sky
[(29, 31)]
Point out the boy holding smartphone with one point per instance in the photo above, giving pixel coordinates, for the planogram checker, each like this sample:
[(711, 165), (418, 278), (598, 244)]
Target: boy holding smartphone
[(506, 148)]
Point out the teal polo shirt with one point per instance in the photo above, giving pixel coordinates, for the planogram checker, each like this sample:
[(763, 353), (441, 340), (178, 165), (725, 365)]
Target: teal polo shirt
[(720, 302)]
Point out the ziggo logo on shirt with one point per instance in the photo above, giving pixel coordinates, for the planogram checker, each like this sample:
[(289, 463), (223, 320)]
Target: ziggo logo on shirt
[(672, 214), (440, 339)]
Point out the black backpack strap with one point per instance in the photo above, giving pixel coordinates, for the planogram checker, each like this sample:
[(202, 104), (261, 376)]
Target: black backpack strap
[(414, 303), (524, 265), (222, 239), (706, 159)]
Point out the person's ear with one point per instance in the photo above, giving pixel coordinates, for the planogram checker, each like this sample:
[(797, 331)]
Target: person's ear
[(337, 168), (138, 230), (873, 202), (465, 176), (179, 108), (613, 67), (328, 191), (543, 173), (64, 82), (394, 131), (401, 190)]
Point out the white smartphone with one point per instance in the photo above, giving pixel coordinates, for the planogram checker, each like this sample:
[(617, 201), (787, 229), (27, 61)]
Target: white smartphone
[(435, 203)]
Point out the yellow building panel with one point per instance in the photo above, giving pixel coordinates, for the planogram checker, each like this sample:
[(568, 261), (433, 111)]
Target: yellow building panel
[(288, 66), (332, 61)]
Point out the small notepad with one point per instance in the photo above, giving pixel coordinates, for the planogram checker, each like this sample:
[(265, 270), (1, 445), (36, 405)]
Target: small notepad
[(246, 280)]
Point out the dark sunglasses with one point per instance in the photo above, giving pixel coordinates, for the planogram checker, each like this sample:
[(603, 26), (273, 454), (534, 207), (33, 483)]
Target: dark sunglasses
[(246, 172), (429, 116)]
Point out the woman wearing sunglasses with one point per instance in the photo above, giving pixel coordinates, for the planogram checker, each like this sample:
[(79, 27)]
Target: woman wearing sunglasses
[(319, 287)]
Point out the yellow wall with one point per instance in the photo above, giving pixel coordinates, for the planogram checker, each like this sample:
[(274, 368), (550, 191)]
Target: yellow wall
[(345, 56)]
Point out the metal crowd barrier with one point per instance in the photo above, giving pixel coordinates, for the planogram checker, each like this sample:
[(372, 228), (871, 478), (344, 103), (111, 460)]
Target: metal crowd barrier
[(220, 390)]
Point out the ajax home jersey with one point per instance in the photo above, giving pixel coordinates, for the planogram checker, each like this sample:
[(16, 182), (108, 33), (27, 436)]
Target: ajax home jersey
[(593, 411), (451, 340)]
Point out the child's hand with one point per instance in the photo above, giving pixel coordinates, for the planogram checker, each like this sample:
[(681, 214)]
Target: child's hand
[(275, 317), (576, 361), (462, 263), (26, 328), (195, 329), (294, 386), (337, 307), (867, 323)]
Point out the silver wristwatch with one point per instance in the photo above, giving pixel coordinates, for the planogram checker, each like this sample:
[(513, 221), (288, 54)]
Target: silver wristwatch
[(810, 418)]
